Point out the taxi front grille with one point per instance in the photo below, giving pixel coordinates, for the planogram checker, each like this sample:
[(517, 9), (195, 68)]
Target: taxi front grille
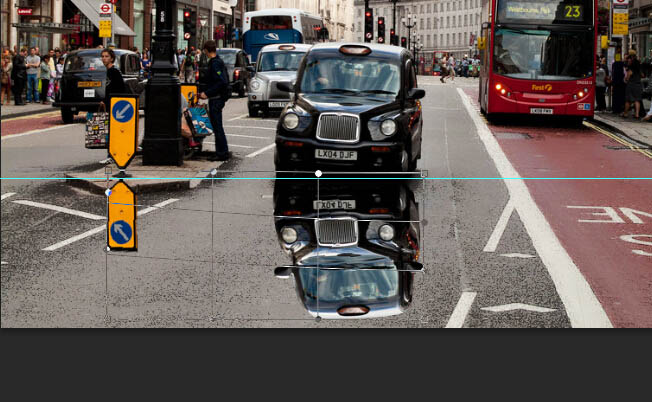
[(337, 232), (338, 127), (274, 93)]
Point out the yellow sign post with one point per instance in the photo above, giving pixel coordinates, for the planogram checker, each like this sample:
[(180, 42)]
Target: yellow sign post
[(121, 224), (105, 28), (123, 129), (620, 25), (189, 89)]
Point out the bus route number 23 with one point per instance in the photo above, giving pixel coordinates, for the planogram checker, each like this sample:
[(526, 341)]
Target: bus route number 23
[(573, 12)]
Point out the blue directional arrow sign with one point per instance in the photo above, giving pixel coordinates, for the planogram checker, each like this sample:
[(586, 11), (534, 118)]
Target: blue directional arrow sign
[(121, 232), (122, 111)]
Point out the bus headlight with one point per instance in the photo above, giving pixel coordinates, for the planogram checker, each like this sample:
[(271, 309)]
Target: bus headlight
[(290, 121), (388, 127)]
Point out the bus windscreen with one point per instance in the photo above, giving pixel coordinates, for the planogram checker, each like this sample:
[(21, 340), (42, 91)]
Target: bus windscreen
[(545, 12), (271, 22)]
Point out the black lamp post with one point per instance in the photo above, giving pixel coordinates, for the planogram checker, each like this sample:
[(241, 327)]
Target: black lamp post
[(409, 22), (163, 144)]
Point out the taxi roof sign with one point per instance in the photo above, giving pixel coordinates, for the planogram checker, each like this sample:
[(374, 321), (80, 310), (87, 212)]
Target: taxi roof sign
[(123, 129), (121, 223)]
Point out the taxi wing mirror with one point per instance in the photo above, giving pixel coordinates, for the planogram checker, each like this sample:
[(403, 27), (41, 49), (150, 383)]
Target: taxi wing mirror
[(283, 272), (416, 93)]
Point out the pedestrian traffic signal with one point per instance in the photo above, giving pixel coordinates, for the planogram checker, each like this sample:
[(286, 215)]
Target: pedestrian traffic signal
[(403, 41), (368, 25), (187, 26), (193, 23), (381, 29)]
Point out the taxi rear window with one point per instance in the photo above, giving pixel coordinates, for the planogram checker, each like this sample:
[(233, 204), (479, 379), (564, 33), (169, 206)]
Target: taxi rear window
[(86, 63)]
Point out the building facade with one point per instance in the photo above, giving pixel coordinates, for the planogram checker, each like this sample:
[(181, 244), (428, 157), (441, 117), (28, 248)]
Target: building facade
[(337, 14), (440, 25)]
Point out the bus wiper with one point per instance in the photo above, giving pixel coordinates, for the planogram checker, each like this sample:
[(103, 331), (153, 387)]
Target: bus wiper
[(340, 91), (377, 91)]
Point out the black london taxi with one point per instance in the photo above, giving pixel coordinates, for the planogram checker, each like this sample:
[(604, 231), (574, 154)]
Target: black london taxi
[(355, 106), (354, 248), (84, 79)]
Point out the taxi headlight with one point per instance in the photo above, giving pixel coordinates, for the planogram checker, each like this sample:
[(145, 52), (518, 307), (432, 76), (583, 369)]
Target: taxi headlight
[(291, 121), (388, 127), (255, 85), (289, 235), (386, 232)]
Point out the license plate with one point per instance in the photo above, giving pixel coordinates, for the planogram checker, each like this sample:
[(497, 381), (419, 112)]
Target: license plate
[(336, 155), (89, 93), (89, 84), (277, 104), (333, 204), (537, 110)]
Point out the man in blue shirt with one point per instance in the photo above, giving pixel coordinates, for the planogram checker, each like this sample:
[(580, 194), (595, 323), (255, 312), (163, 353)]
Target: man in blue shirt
[(217, 91)]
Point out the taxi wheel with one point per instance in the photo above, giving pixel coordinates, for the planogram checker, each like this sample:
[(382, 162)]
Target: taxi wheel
[(253, 112), (67, 115), (241, 91)]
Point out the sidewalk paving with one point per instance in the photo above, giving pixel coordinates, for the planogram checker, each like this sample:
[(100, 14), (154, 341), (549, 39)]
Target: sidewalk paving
[(11, 110), (633, 128)]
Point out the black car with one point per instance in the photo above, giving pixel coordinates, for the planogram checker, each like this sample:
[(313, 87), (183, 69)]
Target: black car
[(354, 107), (237, 64), (84, 80), (354, 248)]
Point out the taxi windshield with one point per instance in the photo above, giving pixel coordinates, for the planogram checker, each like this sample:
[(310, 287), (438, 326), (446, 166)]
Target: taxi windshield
[(351, 75), (86, 63), (280, 61), (349, 286)]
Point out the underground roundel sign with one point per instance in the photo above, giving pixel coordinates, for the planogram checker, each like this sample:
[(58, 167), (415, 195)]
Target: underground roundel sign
[(105, 8)]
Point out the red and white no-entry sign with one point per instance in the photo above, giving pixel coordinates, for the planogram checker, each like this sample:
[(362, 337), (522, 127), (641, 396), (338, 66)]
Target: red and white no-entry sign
[(621, 2), (105, 8)]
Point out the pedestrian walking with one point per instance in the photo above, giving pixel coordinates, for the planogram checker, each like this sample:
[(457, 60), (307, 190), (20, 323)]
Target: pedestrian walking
[(601, 85), (465, 66), (44, 76), (19, 76), (188, 67), (443, 66), (57, 80), (451, 68), (634, 87), (7, 67), (617, 83), (115, 83), (33, 64), (144, 65), (217, 92)]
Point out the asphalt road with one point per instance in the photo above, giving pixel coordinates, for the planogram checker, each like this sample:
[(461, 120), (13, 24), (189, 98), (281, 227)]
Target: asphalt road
[(497, 252)]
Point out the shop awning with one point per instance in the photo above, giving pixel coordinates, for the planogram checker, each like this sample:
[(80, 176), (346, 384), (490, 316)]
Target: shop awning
[(90, 8), (46, 27)]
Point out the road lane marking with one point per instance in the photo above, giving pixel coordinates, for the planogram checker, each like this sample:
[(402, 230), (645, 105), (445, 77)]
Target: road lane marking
[(239, 117), (518, 306), (103, 227), (461, 310), (517, 255), (497, 234), (7, 195), (581, 304), (248, 136), (41, 130), (619, 140), (231, 145), (61, 209), (4, 263), (261, 150), (253, 127)]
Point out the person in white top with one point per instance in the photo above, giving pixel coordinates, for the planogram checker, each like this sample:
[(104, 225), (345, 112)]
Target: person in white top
[(451, 68)]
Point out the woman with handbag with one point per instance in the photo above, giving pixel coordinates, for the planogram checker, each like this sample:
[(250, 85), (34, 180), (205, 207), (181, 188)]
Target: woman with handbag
[(6, 78)]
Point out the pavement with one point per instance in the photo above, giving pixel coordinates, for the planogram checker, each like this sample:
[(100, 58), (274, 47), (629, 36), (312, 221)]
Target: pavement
[(11, 111), (639, 131)]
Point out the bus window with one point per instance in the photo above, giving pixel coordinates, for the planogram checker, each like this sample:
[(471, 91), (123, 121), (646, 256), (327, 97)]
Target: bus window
[(271, 22)]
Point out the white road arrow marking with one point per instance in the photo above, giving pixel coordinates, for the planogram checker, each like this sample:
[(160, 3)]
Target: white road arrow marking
[(518, 306), (121, 113), (517, 255), (118, 229)]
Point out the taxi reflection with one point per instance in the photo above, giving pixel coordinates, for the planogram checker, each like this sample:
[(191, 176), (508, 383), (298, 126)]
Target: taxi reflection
[(353, 245)]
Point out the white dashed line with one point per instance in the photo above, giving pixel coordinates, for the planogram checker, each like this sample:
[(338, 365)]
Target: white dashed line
[(581, 304), (231, 145), (252, 127), (260, 151), (7, 195), (61, 209), (248, 136), (103, 227), (239, 117), (461, 310)]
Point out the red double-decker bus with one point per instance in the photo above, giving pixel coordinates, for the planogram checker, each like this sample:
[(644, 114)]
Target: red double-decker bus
[(538, 57)]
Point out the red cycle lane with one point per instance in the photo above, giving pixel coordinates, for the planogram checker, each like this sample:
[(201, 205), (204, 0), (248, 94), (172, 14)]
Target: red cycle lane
[(604, 225), (36, 122)]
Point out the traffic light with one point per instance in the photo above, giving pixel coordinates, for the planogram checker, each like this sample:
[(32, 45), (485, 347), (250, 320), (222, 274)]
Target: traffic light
[(187, 26), (193, 23), (381, 29), (368, 25), (392, 38), (403, 41)]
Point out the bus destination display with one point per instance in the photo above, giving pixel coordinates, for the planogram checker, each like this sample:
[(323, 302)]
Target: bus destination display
[(541, 11)]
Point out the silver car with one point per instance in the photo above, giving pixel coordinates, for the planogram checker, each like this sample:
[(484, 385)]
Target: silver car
[(276, 63)]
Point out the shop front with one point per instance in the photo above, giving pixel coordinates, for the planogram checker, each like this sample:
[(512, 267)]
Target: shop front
[(85, 14), (34, 25)]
